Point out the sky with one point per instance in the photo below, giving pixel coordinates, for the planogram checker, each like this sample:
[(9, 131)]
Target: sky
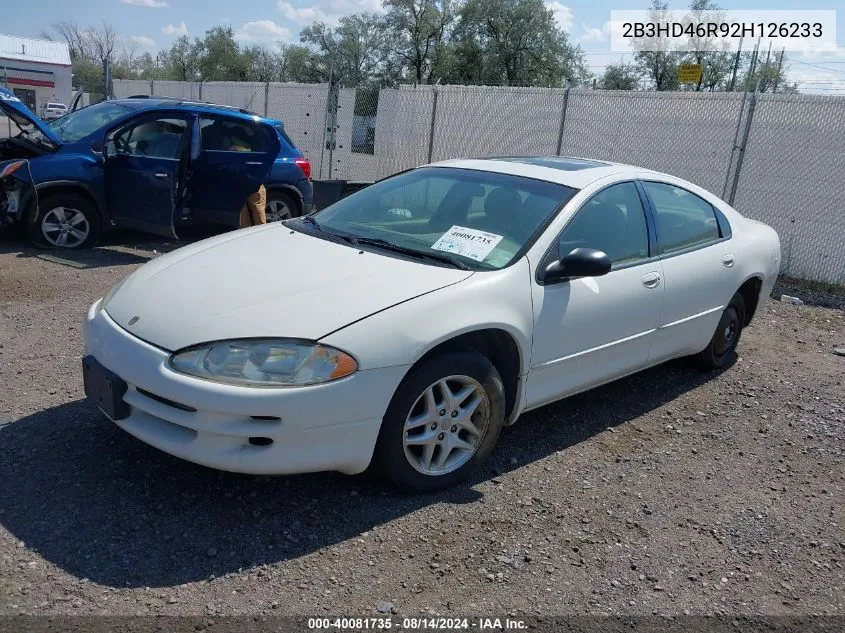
[(154, 24)]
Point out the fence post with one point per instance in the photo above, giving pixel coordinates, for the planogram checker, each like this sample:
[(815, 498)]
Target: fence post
[(152, 87), (562, 121), (742, 146), (266, 98), (200, 97), (433, 121)]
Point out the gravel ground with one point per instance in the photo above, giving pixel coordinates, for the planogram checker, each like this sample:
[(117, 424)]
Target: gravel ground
[(669, 492)]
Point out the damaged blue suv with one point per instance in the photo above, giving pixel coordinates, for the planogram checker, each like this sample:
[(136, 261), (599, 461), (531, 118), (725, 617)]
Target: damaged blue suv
[(148, 163)]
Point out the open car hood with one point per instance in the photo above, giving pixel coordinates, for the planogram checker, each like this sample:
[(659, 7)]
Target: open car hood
[(23, 117)]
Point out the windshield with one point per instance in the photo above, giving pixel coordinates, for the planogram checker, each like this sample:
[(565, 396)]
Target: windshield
[(482, 218), (77, 125)]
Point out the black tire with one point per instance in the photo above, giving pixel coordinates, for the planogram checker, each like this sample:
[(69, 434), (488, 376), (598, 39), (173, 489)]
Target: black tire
[(722, 347), (390, 454), (276, 196), (47, 206)]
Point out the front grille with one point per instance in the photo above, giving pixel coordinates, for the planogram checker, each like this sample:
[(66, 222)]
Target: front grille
[(167, 401)]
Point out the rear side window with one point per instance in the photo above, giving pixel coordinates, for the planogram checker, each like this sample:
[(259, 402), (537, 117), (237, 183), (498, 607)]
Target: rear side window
[(683, 219), (225, 135), (285, 136)]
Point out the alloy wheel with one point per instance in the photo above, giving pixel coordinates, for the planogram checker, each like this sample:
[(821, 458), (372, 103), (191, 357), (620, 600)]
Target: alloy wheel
[(65, 227), (446, 425), (277, 210)]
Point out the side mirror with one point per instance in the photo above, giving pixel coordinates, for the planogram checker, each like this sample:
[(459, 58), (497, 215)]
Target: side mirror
[(110, 149), (581, 262)]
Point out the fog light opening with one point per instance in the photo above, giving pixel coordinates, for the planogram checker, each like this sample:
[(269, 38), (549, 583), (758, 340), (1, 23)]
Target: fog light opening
[(260, 441)]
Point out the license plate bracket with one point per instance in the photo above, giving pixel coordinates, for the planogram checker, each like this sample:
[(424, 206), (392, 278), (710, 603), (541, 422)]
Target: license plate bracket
[(105, 389)]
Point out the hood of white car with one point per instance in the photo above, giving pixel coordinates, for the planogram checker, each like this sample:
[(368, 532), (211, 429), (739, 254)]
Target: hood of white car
[(265, 282)]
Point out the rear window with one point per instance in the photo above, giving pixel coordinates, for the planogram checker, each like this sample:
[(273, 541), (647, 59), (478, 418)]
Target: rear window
[(227, 135), (288, 139)]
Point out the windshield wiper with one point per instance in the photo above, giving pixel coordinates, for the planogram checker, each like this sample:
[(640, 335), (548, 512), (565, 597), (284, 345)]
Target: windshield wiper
[(442, 258)]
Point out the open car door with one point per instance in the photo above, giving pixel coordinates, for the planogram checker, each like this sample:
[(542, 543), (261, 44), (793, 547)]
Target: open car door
[(234, 159), (145, 166)]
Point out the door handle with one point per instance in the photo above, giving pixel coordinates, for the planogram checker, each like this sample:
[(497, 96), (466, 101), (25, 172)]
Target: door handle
[(160, 174), (651, 280), (728, 260), (254, 162)]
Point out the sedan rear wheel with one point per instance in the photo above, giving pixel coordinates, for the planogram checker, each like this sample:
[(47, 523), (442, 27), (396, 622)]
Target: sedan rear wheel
[(720, 351), (443, 420)]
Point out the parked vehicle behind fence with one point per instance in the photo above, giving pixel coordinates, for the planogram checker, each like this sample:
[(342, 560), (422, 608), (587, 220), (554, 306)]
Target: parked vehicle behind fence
[(149, 163)]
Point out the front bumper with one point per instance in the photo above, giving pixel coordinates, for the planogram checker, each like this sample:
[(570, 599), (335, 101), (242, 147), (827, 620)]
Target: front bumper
[(324, 427)]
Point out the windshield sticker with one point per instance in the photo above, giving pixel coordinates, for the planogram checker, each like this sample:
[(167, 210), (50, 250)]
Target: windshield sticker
[(471, 243)]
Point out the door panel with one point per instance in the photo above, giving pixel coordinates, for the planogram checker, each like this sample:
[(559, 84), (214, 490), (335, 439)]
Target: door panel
[(593, 329), (144, 171), (698, 266), (698, 287), (235, 159)]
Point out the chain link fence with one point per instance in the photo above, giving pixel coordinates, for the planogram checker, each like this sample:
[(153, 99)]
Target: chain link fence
[(777, 158)]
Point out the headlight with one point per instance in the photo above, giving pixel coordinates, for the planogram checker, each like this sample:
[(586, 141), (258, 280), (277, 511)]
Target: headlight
[(265, 362), (111, 293)]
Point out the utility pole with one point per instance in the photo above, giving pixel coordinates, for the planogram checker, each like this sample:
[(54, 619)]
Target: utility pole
[(106, 78), (780, 66), (736, 65), (765, 68)]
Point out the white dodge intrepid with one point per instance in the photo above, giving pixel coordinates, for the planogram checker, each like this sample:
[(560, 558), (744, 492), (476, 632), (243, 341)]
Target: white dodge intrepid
[(404, 325)]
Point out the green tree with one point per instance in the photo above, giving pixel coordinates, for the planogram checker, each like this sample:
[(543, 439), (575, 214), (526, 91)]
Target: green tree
[(420, 27), (620, 75), (517, 42), (770, 74), (299, 63), (659, 67), (261, 63), (219, 57), (182, 61), (354, 52)]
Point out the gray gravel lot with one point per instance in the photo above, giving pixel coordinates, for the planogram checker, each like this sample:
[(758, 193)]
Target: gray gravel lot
[(669, 492)]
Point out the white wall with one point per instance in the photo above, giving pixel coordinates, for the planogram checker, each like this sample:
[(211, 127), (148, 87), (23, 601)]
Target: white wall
[(61, 92)]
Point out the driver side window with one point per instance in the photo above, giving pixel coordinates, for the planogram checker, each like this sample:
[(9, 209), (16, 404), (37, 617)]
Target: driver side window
[(612, 221), (154, 138)]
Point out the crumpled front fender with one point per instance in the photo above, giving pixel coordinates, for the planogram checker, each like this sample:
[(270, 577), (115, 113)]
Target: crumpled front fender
[(17, 191)]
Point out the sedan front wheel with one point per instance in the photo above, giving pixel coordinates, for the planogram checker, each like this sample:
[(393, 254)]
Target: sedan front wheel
[(442, 422), (65, 221)]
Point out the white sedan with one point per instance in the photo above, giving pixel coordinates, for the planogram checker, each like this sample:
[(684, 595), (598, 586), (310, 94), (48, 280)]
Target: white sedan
[(406, 324)]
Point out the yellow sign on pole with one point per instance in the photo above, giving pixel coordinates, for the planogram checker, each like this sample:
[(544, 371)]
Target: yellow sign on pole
[(689, 73)]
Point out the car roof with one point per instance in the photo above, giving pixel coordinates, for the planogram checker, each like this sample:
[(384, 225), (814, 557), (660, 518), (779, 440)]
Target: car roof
[(564, 170), (146, 102)]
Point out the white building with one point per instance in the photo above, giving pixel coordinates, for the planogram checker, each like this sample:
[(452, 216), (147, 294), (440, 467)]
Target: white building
[(37, 71)]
